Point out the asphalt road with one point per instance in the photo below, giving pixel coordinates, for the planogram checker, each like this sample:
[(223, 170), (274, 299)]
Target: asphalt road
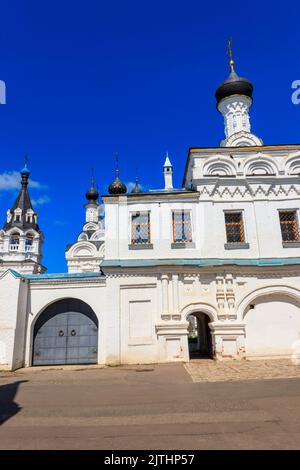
[(156, 408)]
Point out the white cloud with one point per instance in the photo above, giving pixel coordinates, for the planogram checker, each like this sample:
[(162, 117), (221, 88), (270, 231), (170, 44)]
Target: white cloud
[(41, 200), (12, 180)]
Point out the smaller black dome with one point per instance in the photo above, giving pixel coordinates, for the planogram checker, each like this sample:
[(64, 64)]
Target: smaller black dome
[(92, 194), (234, 85), (137, 188), (117, 187)]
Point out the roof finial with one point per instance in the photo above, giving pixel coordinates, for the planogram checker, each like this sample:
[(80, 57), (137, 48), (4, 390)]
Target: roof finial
[(167, 160), (136, 188), (117, 164), (92, 178), (229, 52), (25, 172)]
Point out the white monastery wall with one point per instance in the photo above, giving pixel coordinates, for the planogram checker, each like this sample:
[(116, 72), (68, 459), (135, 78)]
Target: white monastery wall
[(13, 311), (272, 327)]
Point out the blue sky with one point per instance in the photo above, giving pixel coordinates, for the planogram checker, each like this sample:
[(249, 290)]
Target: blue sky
[(88, 79)]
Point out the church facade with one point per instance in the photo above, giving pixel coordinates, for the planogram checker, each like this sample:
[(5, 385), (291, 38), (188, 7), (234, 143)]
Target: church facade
[(211, 269)]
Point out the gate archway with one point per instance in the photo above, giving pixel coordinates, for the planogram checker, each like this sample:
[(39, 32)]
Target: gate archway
[(66, 332), (199, 336)]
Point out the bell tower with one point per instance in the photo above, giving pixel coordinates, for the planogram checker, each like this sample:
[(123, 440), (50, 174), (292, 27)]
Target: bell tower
[(234, 100), (21, 239)]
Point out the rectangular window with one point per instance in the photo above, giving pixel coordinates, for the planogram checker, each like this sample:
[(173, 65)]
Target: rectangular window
[(234, 227), (289, 226), (140, 228), (182, 230)]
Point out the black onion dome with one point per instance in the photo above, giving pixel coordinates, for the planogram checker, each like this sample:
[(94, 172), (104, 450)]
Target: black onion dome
[(234, 85), (117, 187), (92, 194)]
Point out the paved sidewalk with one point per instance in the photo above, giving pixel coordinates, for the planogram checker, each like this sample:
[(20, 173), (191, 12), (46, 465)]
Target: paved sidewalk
[(206, 370), (147, 407)]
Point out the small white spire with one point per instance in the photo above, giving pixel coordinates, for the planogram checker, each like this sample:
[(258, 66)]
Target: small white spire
[(168, 173), (167, 162)]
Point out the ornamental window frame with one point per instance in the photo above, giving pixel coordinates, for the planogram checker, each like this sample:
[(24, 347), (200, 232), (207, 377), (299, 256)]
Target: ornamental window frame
[(17, 215), (295, 224), (189, 223), (242, 224), (14, 240), (147, 224), (29, 216), (29, 239)]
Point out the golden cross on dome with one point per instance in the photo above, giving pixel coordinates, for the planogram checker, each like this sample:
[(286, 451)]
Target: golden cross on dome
[(229, 52)]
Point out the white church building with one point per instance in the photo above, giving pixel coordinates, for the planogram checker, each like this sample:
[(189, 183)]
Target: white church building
[(211, 269)]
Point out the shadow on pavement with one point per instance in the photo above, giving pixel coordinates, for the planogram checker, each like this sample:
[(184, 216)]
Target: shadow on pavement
[(8, 407)]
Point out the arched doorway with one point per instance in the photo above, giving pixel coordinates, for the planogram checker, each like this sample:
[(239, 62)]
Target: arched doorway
[(272, 325), (66, 333), (199, 336)]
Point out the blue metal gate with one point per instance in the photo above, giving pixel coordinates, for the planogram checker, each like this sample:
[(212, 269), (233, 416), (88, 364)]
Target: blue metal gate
[(66, 333)]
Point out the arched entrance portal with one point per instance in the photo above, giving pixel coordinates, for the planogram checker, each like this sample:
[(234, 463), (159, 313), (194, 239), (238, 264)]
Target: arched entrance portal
[(199, 336), (66, 333), (272, 324)]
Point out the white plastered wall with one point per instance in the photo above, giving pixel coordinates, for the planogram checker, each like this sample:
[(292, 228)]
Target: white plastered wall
[(13, 317), (118, 229), (142, 313), (272, 326)]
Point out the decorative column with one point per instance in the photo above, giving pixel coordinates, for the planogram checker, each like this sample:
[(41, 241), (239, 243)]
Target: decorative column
[(165, 297), (230, 297), (6, 244), (176, 315), (22, 243), (171, 334), (220, 296), (35, 246)]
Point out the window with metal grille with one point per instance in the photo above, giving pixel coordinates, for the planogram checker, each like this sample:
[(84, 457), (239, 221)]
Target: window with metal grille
[(182, 230), (140, 228), (234, 227), (289, 226)]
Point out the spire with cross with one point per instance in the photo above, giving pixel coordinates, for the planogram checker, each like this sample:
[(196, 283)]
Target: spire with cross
[(229, 52)]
